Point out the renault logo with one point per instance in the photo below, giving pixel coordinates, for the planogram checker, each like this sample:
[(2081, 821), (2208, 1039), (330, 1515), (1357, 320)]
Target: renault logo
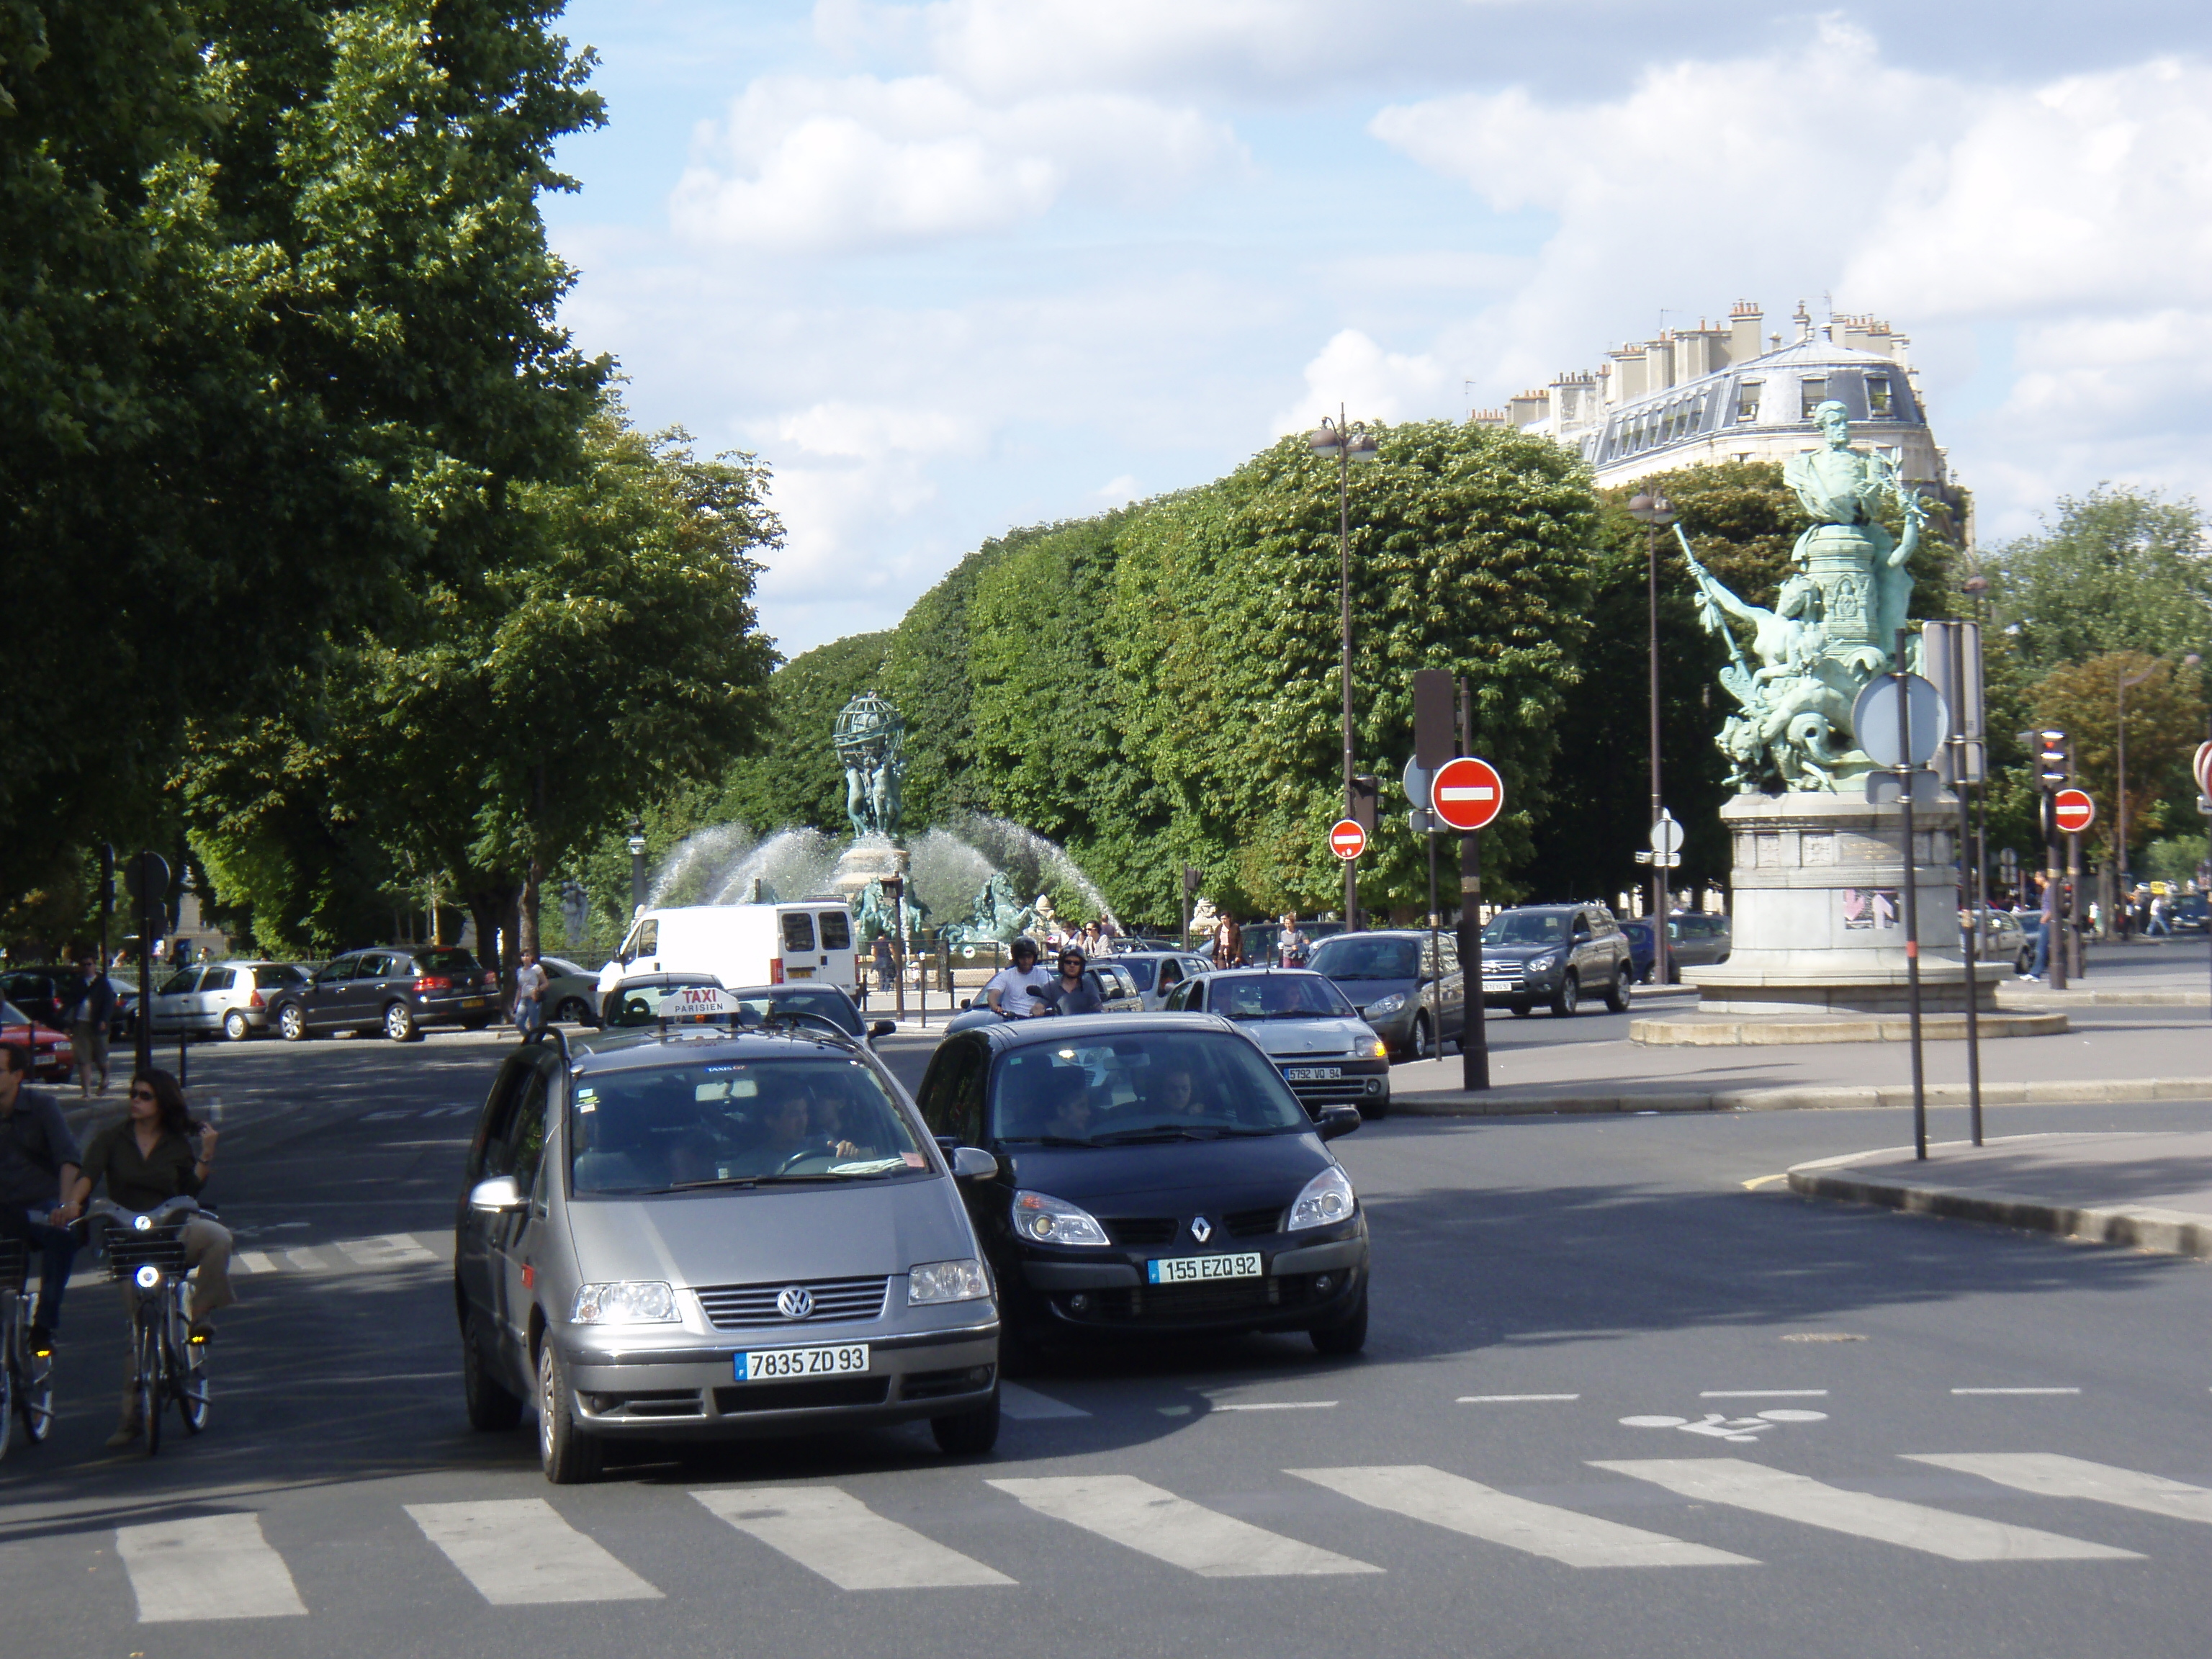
[(1200, 1228), (796, 1302)]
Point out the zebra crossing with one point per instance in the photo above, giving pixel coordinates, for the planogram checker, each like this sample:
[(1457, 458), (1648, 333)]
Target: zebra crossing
[(525, 1552)]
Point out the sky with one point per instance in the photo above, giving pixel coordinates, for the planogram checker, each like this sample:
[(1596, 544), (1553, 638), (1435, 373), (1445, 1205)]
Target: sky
[(956, 267)]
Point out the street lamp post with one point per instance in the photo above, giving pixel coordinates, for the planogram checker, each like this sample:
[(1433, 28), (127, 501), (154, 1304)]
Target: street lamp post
[(1656, 511), (636, 868), (1347, 442), (2120, 792)]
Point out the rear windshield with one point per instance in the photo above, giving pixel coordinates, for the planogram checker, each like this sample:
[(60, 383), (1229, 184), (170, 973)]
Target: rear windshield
[(1353, 958), (444, 959), (798, 930), (1277, 996), (269, 979), (829, 1004), (837, 930), (645, 1005), (737, 1124), (1150, 1085)]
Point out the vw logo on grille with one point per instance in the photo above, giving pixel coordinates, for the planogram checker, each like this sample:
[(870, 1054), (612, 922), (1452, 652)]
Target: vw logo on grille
[(796, 1302), (1202, 1229)]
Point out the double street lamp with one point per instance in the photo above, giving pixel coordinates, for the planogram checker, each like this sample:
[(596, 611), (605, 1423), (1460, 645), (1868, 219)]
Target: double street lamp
[(636, 868), (1656, 512), (1349, 442)]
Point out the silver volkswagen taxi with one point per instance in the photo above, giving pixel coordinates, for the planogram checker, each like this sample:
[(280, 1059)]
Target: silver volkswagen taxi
[(702, 1223)]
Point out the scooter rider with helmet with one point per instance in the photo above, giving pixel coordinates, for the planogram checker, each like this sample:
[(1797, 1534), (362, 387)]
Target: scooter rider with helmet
[(1071, 994), (1019, 992)]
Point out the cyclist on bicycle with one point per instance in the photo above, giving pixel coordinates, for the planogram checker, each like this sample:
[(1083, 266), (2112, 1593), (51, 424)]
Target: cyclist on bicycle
[(39, 1165), (147, 1159)]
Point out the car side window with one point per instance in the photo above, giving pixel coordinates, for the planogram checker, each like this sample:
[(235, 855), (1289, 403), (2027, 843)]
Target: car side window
[(526, 1141), (953, 1094), (494, 1123), (219, 979), (342, 969), (178, 982), (1582, 926), (1170, 973)]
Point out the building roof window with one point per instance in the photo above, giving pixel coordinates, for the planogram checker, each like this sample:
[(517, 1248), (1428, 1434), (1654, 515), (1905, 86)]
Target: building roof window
[(1813, 392), (1879, 403), (1747, 400)]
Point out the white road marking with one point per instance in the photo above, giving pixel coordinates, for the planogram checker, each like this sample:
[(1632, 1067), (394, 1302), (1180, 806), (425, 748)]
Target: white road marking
[(519, 1552), (2047, 1474), (1157, 1524), (306, 1261), (1509, 1399), (2015, 1391), (1443, 1499), (215, 1566), (254, 1261), (386, 1250), (1273, 1405), (1887, 1520), (1028, 1405), (382, 1117), (1763, 1393), (829, 1531)]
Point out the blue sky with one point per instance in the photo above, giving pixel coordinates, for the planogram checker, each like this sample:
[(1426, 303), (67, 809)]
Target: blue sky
[(958, 266)]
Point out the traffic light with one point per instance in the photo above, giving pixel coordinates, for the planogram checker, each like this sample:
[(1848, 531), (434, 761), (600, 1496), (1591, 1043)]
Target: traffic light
[(1364, 790), (2054, 760)]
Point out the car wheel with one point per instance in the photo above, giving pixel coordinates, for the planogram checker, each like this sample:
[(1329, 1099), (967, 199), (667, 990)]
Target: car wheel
[(573, 1012), (1347, 1335), (969, 1433), (1424, 1040), (1375, 1109), (491, 1408), (399, 1024), (567, 1454), (235, 1027), (1569, 999), (1616, 995), (476, 1024), (292, 1022), (2024, 962), (1523, 1010)]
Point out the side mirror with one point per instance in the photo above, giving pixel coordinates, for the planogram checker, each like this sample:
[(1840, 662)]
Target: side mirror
[(1337, 1120), (973, 1164), (966, 1003), (882, 1028), (497, 1196)]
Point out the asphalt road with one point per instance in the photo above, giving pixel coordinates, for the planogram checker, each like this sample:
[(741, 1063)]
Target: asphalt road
[(1617, 1401)]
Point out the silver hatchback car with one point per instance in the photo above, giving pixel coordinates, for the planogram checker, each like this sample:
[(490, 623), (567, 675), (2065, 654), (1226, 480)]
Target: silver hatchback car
[(704, 1224)]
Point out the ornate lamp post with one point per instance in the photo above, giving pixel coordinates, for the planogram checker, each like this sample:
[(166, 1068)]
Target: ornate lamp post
[(636, 868), (2120, 805), (1656, 512), (1347, 442)]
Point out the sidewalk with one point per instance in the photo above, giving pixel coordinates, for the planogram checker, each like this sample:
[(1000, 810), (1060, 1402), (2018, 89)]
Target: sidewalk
[(2142, 973), (2153, 1192)]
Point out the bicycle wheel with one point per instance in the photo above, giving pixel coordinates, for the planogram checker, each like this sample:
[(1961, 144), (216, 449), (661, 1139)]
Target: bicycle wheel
[(149, 1382), (35, 1398), (7, 1385), (189, 1377)]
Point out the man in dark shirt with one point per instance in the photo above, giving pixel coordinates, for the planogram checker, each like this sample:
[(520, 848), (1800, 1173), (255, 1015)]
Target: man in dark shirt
[(38, 1161), (1071, 993), (88, 1004)]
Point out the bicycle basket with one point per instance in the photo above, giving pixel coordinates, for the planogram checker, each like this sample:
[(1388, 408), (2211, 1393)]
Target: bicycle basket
[(14, 1263), (127, 1252)]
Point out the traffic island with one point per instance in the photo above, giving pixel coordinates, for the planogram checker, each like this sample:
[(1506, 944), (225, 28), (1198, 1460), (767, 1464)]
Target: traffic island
[(1733, 1030), (2147, 1191)]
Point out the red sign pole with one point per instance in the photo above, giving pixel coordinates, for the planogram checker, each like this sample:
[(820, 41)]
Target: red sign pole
[(1466, 793)]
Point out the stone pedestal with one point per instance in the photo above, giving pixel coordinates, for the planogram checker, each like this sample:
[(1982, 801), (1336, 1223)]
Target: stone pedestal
[(874, 859), (1818, 919)]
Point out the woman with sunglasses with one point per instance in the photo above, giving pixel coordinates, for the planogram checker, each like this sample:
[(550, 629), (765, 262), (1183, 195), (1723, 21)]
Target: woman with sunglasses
[(1071, 993), (146, 1160)]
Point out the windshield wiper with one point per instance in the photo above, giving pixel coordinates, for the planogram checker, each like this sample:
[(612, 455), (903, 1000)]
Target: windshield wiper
[(1051, 1140), (756, 1181), (1158, 1132)]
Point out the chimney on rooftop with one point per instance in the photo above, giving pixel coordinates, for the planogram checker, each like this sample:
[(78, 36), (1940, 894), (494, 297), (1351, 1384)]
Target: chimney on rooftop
[(1743, 331)]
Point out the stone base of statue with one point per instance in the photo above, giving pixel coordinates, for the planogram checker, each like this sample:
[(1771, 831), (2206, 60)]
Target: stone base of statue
[(1818, 931), (874, 858)]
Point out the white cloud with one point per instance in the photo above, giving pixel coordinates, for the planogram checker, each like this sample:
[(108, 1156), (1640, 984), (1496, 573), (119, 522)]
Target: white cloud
[(807, 165), (1354, 374), (1116, 492)]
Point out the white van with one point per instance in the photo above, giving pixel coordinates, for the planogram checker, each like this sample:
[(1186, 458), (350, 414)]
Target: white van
[(742, 945)]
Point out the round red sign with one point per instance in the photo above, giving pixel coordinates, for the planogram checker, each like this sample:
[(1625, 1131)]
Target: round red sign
[(1467, 792), (2073, 810), (1346, 839)]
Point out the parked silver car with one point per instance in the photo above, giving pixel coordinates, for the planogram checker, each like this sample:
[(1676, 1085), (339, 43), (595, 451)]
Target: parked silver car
[(234, 998), (1325, 1051), (683, 1227)]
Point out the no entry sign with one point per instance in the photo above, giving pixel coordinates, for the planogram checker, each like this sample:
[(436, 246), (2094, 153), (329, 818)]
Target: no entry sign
[(1467, 792), (1346, 839), (2073, 810), (2202, 768)]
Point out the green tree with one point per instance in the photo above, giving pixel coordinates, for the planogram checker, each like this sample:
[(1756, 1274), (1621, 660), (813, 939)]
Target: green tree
[(2120, 569), (2164, 724), (796, 778)]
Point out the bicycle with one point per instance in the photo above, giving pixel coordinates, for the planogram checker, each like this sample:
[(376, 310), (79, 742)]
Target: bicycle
[(27, 1378), (146, 1254)]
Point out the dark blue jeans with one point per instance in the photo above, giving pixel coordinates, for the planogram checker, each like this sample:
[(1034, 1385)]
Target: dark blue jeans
[(56, 1248)]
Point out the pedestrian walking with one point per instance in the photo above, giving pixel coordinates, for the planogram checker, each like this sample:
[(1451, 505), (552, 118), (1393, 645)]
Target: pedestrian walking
[(1228, 943), (1290, 944), (530, 983), (88, 1007), (2045, 928), (886, 967), (2161, 918)]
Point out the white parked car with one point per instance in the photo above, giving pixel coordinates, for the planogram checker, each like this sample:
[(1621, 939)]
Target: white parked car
[(233, 997)]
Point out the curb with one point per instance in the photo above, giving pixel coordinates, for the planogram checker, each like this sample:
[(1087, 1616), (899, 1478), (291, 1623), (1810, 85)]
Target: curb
[(2048, 999), (1722, 1032), (1507, 1103), (2164, 1232)]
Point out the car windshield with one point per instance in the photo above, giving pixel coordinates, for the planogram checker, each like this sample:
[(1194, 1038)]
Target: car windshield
[(1149, 1086), (827, 1003), (1279, 996), (1142, 971), (443, 959), (1349, 957), (269, 978), (11, 1015), (1525, 927), (665, 998), (736, 1123)]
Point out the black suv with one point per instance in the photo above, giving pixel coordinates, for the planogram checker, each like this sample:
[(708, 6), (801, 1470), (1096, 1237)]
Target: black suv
[(397, 989), (1553, 954)]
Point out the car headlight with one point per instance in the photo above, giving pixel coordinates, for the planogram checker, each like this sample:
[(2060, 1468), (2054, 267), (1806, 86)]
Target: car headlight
[(1376, 1049), (1047, 1220), (1539, 964), (1389, 1005), (1328, 1198), (964, 1280), (626, 1302)]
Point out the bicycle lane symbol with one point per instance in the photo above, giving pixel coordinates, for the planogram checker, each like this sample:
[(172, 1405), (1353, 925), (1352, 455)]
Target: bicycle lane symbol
[(1743, 1430)]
